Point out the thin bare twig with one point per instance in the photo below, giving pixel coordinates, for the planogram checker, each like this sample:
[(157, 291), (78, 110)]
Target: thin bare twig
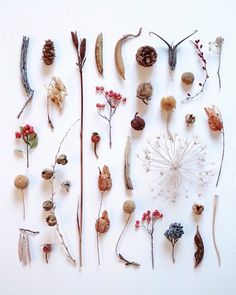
[(213, 229)]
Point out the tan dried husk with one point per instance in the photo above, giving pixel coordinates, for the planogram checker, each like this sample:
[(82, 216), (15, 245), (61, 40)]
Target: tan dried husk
[(214, 120), (56, 92), (102, 224), (104, 179)]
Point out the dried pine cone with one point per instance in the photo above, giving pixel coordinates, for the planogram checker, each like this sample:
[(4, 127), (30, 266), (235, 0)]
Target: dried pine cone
[(48, 52), (146, 56)]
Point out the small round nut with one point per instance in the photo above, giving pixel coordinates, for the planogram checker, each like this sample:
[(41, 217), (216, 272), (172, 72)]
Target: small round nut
[(198, 209), (187, 78), (47, 174), (62, 160), (47, 205), (137, 123), (21, 182), (129, 206), (51, 220)]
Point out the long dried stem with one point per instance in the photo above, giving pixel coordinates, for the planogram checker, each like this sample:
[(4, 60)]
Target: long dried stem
[(213, 229), (23, 203), (128, 182), (173, 252), (98, 234)]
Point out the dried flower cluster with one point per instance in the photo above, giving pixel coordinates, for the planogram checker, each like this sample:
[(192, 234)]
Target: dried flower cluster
[(218, 44), (173, 234)]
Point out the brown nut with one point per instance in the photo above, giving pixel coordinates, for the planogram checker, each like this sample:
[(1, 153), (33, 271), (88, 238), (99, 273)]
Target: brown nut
[(47, 205), (137, 123), (129, 206), (62, 160), (21, 182), (47, 174), (51, 220), (198, 209), (187, 78)]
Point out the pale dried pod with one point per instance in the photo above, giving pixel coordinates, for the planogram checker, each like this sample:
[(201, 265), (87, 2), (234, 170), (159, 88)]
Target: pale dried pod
[(62, 160), (21, 182), (144, 92), (99, 53), (56, 92), (129, 206), (197, 209), (102, 224), (104, 179)]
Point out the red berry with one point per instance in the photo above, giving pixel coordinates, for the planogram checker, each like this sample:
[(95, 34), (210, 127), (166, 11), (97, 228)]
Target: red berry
[(97, 88), (98, 105), (106, 92), (101, 88), (47, 248), (124, 99), (17, 135), (95, 138)]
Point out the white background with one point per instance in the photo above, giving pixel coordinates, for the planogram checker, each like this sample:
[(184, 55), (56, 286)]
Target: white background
[(41, 20)]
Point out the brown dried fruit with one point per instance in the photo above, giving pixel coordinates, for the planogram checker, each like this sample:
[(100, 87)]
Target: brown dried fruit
[(144, 92), (47, 174), (146, 56), (129, 206), (47, 205), (137, 123), (198, 209), (190, 119), (187, 78), (51, 220), (104, 179), (48, 52), (168, 104), (21, 182), (62, 160), (214, 119), (102, 224)]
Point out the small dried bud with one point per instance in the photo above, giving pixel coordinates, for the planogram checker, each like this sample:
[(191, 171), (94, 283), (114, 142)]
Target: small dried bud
[(21, 182), (47, 248), (189, 119), (168, 104), (198, 209), (214, 119), (47, 174), (144, 92), (137, 123), (82, 49), (51, 220), (104, 179), (129, 206), (75, 39), (47, 205), (187, 78), (102, 224), (66, 184), (62, 160), (95, 138)]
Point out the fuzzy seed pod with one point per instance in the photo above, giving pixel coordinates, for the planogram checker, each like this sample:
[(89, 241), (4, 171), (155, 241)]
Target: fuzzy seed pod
[(47, 205), (51, 220), (62, 160), (146, 56), (129, 206), (168, 104), (47, 174), (187, 78), (144, 92), (21, 182), (137, 123), (48, 52), (198, 209), (102, 224), (104, 179)]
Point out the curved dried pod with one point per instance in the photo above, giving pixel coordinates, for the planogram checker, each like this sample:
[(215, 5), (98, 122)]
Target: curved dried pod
[(99, 53), (104, 179), (118, 53), (200, 248)]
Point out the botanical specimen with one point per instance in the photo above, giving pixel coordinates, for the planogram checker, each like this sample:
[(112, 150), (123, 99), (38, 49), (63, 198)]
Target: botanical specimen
[(178, 165), (197, 209), (47, 249), (187, 78), (118, 53), (172, 49), (80, 48), (48, 54), (103, 222), (21, 182), (198, 46), (146, 56), (218, 43), (144, 92), (168, 104), (128, 208), (30, 139), (24, 74), (56, 93), (99, 53), (113, 100), (216, 197), (24, 245), (200, 248), (147, 223), (137, 122), (49, 205), (190, 119), (95, 139), (173, 234), (128, 182)]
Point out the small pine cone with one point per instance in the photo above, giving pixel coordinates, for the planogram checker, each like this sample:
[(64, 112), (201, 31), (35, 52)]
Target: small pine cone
[(48, 52), (146, 56)]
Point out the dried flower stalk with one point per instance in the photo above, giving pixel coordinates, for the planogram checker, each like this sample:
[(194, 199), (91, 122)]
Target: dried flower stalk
[(24, 75), (128, 182), (213, 228), (218, 43), (24, 245)]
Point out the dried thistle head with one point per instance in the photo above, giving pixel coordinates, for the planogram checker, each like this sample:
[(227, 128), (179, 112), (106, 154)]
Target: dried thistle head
[(21, 182), (168, 104), (144, 92), (129, 206), (56, 92), (102, 224), (214, 119), (104, 179)]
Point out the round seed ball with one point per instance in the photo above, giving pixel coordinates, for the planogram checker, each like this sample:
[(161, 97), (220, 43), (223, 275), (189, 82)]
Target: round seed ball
[(187, 78), (47, 174), (129, 206), (21, 181)]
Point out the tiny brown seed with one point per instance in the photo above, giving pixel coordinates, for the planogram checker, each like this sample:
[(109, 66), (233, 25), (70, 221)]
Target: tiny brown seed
[(47, 174), (47, 205)]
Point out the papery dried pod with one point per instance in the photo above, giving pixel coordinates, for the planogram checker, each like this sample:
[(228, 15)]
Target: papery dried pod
[(118, 53), (47, 174), (128, 182), (47, 205), (200, 248), (104, 179), (51, 220), (56, 92), (102, 224), (48, 52), (99, 53), (146, 56), (62, 160), (190, 119), (66, 184), (144, 92)]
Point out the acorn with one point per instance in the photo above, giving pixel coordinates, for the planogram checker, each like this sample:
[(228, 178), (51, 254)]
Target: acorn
[(47, 205), (51, 220), (129, 206), (187, 78), (62, 160), (137, 123), (21, 182), (47, 174)]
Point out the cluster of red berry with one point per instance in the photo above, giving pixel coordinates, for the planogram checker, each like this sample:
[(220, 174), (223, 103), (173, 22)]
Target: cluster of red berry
[(148, 216), (25, 131), (113, 98)]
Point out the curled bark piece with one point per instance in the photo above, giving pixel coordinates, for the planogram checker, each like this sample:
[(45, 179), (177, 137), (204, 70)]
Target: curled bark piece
[(118, 53), (99, 53), (128, 182), (23, 73), (200, 248)]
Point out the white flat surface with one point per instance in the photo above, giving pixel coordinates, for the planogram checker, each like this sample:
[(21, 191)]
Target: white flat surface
[(41, 20)]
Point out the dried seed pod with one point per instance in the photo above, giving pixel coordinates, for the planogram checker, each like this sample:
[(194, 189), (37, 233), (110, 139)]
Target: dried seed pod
[(51, 220), (102, 224), (146, 56), (129, 206), (198, 209), (21, 182), (95, 138), (99, 53), (118, 53), (144, 92), (47, 174), (200, 248), (104, 179), (187, 78), (190, 119), (48, 52), (168, 104), (56, 92), (47, 205), (62, 160), (137, 123), (66, 184)]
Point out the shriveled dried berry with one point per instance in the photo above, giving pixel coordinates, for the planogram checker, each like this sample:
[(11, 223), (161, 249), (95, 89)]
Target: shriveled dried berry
[(146, 56), (47, 174), (187, 78), (21, 182), (47, 205), (137, 123), (62, 160), (51, 220)]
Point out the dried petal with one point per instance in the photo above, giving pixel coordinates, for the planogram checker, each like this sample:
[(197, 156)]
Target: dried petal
[(56, 92)]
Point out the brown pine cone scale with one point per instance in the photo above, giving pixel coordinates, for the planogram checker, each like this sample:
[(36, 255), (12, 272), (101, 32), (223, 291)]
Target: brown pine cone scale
[(146, 56)]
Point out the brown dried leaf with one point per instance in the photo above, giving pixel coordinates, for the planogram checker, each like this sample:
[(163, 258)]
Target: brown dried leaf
[(104, 179), (102, 224)]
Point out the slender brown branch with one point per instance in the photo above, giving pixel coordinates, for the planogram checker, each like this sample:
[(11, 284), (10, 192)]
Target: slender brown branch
[(213, 229)]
